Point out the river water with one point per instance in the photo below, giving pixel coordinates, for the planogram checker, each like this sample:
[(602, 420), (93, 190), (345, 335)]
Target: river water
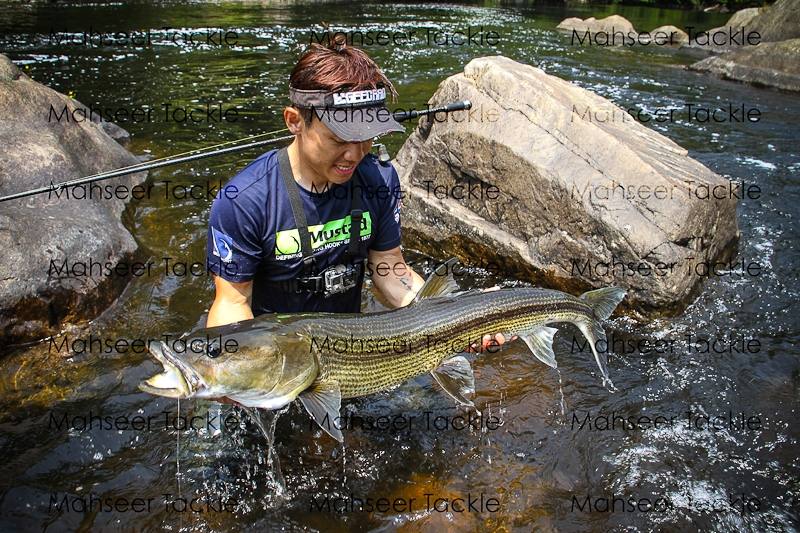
[(537, 461)]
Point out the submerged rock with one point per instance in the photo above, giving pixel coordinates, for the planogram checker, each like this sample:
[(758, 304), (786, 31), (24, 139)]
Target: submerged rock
[(562, 188), (774, 61), (607, 25), (675, 35), (39, 234), (610, 31), (769, 64), (618, 31)]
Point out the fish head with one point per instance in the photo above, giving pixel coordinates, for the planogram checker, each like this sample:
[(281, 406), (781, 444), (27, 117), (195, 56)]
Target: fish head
[(255, 366)]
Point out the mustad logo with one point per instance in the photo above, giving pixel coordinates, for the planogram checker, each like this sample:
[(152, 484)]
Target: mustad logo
[(328, 235)]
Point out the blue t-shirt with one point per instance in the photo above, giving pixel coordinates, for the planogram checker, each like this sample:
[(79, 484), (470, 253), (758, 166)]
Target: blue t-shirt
[(252, 234)]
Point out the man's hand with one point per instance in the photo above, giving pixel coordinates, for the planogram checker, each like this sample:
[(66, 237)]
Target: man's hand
[(396, 281), (489, 341)]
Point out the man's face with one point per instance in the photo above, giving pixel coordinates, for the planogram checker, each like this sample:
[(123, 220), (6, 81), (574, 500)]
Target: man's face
[(327, 156)]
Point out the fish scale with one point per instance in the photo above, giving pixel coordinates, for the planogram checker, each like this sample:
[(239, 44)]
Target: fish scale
[(430, 331)]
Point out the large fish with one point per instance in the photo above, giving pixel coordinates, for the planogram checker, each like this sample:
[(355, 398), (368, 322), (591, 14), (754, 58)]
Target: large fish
[(322, 358)]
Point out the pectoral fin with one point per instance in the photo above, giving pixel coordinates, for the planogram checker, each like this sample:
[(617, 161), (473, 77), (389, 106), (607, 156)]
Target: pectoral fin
[(540, 342), (455, 377), (323, 402)]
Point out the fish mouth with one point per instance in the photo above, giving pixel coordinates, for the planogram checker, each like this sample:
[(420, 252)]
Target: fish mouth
[(178, 380)]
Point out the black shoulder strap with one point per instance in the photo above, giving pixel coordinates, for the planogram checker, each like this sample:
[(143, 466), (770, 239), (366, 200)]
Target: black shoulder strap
[(356, 214), (297, 208)]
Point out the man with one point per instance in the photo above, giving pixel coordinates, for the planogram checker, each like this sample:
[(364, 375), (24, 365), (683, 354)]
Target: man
[(326, 181), (255, 242)]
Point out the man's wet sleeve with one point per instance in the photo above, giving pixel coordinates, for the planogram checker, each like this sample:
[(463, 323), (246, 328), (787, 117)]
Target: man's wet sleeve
[(387, 225), (235, 236)]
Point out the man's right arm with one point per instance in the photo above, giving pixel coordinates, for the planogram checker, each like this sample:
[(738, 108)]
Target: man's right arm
[(231, 302)]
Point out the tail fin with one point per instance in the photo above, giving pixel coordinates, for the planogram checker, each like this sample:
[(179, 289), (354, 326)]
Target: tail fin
[(604, 301)]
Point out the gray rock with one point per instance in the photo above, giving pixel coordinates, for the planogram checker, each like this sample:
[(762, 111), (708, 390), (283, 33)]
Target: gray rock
[(741, 18), (8, 70), (778, 22), (614, 30), (607, 25), (769, 64), (775, 61), (34, 301), (555, 152), (675, 35)]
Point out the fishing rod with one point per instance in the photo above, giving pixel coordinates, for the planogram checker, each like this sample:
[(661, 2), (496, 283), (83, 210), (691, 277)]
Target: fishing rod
[(211, 151)]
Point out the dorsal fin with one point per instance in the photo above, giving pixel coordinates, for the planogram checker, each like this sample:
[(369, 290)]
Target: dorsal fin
[(439, 283)]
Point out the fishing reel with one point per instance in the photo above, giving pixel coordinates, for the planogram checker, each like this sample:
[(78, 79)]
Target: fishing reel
[(383, 153)]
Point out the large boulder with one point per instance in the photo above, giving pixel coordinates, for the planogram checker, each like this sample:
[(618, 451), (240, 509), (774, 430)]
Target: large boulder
[(564, 185), (768, 64), (41, 231)]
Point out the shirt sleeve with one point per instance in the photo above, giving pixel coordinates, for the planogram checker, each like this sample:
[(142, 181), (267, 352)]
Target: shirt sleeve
[(387, 223), (235, 237)]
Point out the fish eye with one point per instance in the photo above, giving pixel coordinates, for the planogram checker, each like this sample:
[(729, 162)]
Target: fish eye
[(212, 350)]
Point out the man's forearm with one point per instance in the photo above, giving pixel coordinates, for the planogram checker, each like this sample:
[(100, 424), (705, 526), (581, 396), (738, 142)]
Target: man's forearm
[(223, 312), (399, 290)]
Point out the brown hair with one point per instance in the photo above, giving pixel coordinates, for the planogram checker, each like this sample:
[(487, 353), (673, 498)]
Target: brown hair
[(337, 67)]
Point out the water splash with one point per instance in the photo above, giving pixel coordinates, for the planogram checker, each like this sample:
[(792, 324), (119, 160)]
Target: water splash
[(561, 401), (275, 475)]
